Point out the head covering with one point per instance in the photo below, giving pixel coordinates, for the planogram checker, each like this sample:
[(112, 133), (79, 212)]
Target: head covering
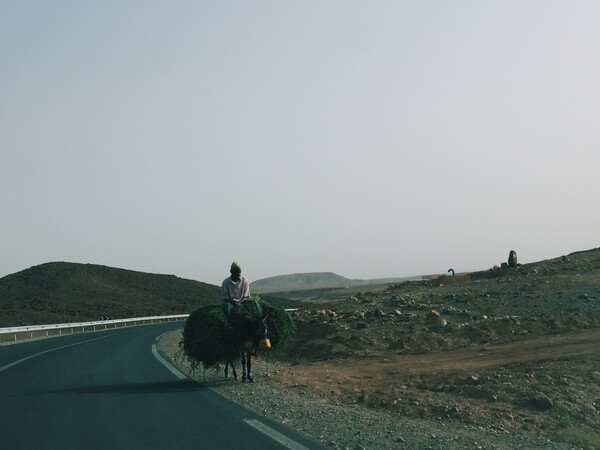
[(236, 266)]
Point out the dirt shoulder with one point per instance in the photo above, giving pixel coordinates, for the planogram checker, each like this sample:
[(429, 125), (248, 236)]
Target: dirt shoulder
[(345, 404), (470, 358), (534, 386)]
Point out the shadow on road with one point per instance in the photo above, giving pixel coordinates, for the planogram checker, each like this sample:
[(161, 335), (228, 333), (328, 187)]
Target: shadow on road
[(162, 387)]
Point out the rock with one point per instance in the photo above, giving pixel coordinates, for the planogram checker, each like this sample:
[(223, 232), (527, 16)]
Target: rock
[(363, 397), (398, 312), (433, 317), (472, 379), (541, 401), (589, 408), (595, 376), (512, 258)]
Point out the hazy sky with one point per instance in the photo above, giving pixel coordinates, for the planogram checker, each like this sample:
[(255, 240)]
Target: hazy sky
[(367, 138)]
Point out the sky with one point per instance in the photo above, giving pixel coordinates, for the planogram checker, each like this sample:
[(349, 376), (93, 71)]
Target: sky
[(367, 138)]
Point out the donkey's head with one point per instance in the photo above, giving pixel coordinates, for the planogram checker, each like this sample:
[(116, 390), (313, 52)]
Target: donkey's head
[(255, 326), (262, 333)]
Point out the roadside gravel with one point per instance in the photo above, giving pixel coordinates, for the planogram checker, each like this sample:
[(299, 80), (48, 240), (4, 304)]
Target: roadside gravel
[(343, 426)]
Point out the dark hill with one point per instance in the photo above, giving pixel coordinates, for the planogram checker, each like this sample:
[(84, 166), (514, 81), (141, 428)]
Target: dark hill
[(68, 292)]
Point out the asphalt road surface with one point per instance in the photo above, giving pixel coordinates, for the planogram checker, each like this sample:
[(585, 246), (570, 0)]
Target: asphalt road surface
[(108, 390)]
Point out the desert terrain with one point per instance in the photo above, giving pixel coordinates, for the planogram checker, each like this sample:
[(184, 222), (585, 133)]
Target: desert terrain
[(503, 358)]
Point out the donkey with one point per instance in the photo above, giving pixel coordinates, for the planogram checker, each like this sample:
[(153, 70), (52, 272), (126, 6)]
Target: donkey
[(251, 329)]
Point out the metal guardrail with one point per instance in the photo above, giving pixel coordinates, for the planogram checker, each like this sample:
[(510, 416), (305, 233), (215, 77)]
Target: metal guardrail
[(13, 334)]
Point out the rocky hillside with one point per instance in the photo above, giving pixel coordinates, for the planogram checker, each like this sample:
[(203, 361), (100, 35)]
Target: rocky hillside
[(510, 348), (505, 358), (68, 292), (495, 305)]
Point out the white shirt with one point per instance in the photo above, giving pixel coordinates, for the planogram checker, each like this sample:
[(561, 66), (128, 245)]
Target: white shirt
[(234, 290)]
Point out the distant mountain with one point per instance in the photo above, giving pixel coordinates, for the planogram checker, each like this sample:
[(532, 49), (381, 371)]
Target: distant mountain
[(69, 292), (315, 280)]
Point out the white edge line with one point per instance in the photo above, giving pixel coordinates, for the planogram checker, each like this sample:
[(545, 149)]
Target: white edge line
[(163, 361), (275, 435), (256, 424), (53, 350)]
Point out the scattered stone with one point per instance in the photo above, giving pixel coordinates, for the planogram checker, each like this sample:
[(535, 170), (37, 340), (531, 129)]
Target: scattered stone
[(512, 258), (472, 380), (541, 401), (433, 317)]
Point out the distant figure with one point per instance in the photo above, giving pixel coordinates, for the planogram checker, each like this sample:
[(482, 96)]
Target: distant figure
[(451, 272), (234, 289), (512, 259)]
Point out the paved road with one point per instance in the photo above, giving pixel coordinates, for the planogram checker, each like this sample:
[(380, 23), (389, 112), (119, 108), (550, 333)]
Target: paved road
[(106, 390)]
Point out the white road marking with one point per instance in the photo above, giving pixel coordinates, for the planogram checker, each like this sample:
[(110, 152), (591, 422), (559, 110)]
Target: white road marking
[(256, 424), (53, 350), (275, 435), (163, 361)]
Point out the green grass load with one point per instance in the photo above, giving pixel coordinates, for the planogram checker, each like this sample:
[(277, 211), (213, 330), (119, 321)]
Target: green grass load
[(210, 338)]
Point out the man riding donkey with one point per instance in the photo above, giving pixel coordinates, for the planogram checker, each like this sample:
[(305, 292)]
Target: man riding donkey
[(253, 327)]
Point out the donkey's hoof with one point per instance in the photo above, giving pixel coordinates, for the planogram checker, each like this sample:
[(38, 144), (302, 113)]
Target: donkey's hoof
[(250, 380)]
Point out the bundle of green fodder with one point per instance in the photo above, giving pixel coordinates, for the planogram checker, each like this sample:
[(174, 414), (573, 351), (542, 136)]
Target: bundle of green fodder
[(282, 328), (210, 338)]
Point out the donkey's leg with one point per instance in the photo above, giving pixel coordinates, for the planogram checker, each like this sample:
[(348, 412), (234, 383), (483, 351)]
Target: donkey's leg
[(249, 356), (244, 376), (230, 364)]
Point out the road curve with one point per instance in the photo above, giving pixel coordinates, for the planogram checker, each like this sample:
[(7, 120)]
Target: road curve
[(107, 390)]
